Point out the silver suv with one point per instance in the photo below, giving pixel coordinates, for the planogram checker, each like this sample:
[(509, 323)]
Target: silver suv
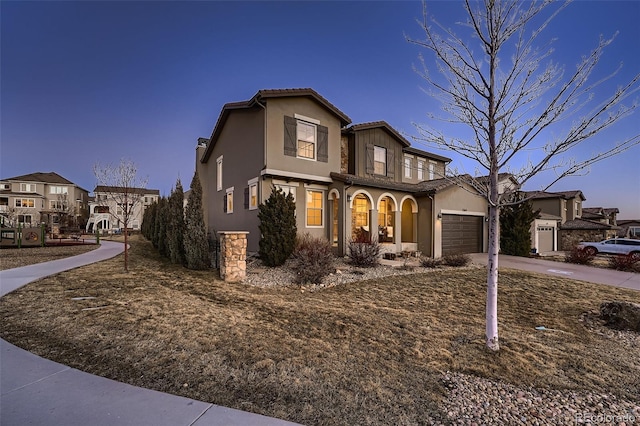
[(625, 246)]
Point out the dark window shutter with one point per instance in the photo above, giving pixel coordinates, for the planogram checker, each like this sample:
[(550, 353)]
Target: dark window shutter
[(290, 136), (391, 165), (246, 197), (224, 209), (369, 167), (323, 144)]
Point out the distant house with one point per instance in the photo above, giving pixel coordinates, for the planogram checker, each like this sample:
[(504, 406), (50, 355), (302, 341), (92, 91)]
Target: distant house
[(108, 203), (48, 198), (564, 221), (345, 178), (629, 228)]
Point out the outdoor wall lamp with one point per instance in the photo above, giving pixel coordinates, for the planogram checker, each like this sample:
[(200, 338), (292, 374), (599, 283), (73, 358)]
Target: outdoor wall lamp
[(439, 216), (348, 198)]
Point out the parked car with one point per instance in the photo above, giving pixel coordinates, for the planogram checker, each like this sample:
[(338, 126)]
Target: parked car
[(625, 246)]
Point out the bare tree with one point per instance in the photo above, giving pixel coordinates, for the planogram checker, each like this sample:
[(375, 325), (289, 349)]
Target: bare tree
[(121, 190), (500, 83)]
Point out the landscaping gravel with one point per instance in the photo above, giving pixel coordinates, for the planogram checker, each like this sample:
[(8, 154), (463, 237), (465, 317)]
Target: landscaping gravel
[(472, 400)]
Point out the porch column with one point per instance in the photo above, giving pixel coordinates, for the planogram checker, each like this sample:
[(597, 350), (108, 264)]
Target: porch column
[(414, 216), (373, 225), (397, 230)]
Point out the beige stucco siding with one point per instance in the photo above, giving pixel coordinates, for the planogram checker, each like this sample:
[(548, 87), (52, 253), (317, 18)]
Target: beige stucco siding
[(277, 109)]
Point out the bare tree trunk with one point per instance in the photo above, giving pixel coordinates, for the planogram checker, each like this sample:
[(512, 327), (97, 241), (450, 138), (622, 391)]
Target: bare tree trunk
[(492, 282)]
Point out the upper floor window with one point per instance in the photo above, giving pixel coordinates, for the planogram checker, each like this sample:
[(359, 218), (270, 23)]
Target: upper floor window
[(407, 167), (5, 186), (219, 173), (25, 202), (306, 140), (379, 160), (57, 205), (304, 137), (420, 170), (432, 171), (27, 187), (58, 190)]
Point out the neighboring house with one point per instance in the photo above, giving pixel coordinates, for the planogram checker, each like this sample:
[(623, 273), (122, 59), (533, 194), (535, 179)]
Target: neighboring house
[(48, 198), (564, 222), (344, 178), (629, 228), (107, 207)]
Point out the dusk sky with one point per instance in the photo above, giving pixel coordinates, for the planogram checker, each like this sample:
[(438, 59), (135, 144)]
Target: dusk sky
[(86, 82)]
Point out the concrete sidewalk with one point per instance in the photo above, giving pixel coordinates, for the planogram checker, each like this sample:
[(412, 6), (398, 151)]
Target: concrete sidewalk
[(37, 391), (586, 273)]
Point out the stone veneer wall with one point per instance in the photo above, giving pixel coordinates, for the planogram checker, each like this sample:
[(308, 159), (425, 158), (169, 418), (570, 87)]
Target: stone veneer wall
[(233, 255), (570, 237)]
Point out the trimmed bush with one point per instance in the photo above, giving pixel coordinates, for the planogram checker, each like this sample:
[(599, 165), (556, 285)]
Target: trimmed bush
[(623, 263), (196, 242), (456, 259), (579, 256), (363, 251), (430, 262), (175, 225), (277, 228), (515, 225), (313, 259)]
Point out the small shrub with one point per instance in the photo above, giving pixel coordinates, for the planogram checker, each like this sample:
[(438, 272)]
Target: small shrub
[(363, 251), (456, 259), (623, 263), (430, 262), (579, 256), (313, 259)]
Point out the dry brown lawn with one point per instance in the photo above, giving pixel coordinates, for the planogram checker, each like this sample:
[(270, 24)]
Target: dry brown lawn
[(15, 258), (371, 352)]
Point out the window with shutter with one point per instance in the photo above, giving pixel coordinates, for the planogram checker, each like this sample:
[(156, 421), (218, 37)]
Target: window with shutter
[(290, 136), (391, 163), (246, 198)]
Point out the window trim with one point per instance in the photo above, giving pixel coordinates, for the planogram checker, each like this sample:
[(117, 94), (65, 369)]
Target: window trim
[(28, 185), (15, 203), (382, 150), (421, 164), (315, 139), (308, 192), (229, 199), (58, 190), (253, 183), (407, 167), (432, 170), (219, 173), (291, 187)]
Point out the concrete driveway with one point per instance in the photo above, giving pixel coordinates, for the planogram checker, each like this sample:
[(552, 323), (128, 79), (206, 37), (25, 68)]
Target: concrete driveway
[(590, 274)]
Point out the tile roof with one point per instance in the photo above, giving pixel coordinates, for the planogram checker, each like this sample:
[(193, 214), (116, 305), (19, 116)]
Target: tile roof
[(120, 189), (562, 194), (266, 94), (50, 177), (419, 189), (586, 224)]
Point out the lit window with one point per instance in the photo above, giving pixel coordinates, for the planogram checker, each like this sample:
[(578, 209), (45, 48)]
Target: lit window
[(306, 140), (407, 167), (229, 198), (420, 170), (379, 160), (219, 173), (253, 196), (360, 211), (25, 202), (314, 208)]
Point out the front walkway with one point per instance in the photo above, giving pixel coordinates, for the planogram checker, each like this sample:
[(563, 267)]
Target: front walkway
[(38, 391)]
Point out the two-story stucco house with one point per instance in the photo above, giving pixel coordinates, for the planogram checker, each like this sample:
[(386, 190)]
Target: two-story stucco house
[(344, 178), (49, 198), (107, 207)]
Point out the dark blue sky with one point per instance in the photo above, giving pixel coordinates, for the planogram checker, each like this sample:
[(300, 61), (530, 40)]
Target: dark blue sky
[(87, 82)]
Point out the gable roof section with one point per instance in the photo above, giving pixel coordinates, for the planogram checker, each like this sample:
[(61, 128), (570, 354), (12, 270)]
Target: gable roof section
[(50, 177), (421, 153), (565, 195), (264, 95)]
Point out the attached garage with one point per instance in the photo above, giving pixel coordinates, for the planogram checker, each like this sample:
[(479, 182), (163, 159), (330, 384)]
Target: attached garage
[(546, 238), (462, 234)]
